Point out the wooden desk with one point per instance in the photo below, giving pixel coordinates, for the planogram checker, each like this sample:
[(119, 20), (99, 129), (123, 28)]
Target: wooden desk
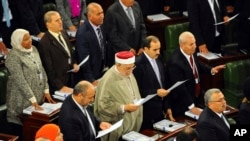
[(163, 136), (216, 81), (7, 137), (157, 28), (31, 123)]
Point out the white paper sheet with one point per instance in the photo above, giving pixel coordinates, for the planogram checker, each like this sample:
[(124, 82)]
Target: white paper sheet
[(227, 20), (177, 84), (112, 128), (83, 61), (143, 100)]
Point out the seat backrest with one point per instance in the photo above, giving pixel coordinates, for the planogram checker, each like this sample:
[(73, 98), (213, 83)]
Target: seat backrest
[(235, 74), (172, 33), (3, 85)]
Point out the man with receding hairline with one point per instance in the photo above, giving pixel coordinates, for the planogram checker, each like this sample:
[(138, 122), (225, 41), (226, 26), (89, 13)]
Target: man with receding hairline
[(91, 40)]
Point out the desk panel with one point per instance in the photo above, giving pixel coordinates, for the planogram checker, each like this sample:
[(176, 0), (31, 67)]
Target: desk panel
[(31, 123)]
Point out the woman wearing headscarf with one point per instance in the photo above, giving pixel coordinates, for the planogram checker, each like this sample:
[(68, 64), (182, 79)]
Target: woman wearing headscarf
[(27, 81)]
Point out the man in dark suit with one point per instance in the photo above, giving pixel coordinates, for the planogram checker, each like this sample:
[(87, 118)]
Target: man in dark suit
[(88, 42), (30, 13), (202, 16), (212, 124), (187, 96), (124, 33), (76, 121), (242, 7), (149, 73), (57, 55)]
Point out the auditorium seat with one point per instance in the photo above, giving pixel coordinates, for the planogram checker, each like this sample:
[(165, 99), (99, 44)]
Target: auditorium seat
[(172, 33), (235, 74)]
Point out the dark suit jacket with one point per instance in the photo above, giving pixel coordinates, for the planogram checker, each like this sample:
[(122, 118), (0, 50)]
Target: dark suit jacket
[(244, 114), (178, 69), (211, 127), (148, 84), (121, 34), (87, 43), (55, 61), (149, 7), (27, 14), (74, 124), (242, 7), (202, 21)]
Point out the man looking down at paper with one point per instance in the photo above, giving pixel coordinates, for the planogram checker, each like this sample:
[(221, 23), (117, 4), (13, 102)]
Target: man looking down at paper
[(184, 65), (116, 93), (76, 120), (150, 76)]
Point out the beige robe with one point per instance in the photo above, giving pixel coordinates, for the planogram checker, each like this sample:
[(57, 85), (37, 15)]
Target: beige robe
[(112, 92)]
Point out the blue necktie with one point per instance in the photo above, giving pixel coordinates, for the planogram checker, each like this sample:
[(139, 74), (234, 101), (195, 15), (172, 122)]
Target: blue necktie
[(6, 12)]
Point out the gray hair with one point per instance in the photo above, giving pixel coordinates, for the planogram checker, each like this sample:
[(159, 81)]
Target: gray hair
[(48, 15), (209, 93), (183, 37)]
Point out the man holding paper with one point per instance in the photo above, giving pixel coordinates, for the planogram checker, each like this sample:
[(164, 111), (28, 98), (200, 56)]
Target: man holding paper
[(91, 41), (76, 121), (203, 16), (116, 95), (149, 73), (184, 65)]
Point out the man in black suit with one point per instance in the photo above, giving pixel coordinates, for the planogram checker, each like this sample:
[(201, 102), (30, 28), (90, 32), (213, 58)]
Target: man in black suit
[(88, 42), (149, 73), (202, 16), (76, 121), (212, 124), (124, 33), (57, 55), (186, 96), (242, 7)]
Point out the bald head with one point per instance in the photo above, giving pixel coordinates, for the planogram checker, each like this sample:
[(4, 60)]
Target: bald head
[(187, 43), (95, 13)]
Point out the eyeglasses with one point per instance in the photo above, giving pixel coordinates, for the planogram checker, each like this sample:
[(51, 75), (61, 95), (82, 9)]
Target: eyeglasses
[(130, 68), (220, 100)]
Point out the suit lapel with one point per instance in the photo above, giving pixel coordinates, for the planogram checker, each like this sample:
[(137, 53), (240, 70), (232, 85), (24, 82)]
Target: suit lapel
[(123, 14), (57, 45)]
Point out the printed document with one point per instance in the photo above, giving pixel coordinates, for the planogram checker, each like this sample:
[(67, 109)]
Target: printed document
[(227, 20), (177, 84), (83, 62), (112, 128), (143, 100)]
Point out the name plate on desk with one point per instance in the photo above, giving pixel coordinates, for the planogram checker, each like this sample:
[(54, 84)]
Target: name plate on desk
[(167, 125)]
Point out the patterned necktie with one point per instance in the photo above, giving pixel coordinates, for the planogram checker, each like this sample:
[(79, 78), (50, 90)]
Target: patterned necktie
[(6, 12), (100, 37), (197, 86)]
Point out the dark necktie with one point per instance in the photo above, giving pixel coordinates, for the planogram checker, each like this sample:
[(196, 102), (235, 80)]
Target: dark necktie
[(100, 37), (62, 43), (6, 12), (217, 15), (195, 73)]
